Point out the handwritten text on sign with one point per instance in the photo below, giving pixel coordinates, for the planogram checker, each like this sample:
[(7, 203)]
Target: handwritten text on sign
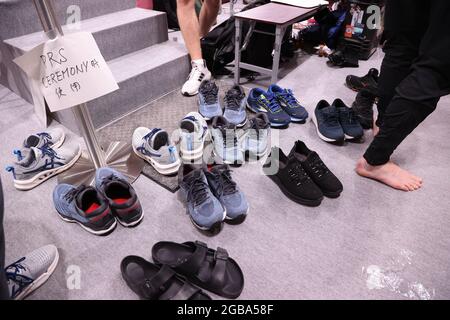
[(70, 70)]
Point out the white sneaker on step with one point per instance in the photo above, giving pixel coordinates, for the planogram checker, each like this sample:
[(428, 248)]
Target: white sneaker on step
[(199, 73)]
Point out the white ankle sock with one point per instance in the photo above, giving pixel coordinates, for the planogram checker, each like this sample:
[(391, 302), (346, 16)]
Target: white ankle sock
[(199, 63)]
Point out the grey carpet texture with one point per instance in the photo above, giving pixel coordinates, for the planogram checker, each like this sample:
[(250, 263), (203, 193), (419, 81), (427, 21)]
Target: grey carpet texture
[(371, 243)]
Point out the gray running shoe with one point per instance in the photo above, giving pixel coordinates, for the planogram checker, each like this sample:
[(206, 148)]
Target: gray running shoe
[(204, 209), (193, 133), (154, 147), (256, 141), (42, 164), (208, 100), (53, 138), (226, 142), (228, 193), (30, 272), (235, 103)]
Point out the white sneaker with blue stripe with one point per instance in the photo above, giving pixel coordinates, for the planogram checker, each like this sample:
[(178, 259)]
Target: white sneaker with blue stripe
[(193, 134), (153, 145)]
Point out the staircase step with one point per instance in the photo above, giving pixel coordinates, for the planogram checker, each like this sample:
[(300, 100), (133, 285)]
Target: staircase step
[(117, 33), (22, 14), (143, 76)]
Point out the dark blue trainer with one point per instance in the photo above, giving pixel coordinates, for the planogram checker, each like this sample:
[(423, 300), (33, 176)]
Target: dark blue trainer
[(326, 119), (289, 103), (261, 101)]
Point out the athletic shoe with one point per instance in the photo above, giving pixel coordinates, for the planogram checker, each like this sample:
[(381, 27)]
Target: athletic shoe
[(30, 272), (193, 135), (363, 107), (228, 193), (154, 147), (326, 119), (53, 138), (208, 100), (235, 106), (199, 73), (225, 140), (204, 209), (122, 198), (85, 206), (42, 164), (317, 170), (292, 179), (260, 101), (289, 103), (348, 120), (368, 82), (256, 141)]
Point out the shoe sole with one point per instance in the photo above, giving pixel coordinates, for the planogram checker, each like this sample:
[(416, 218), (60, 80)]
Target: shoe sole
[(97, 233), (273, 125), (216, 226), (305, 202), (131, 224), (29, 184), (321, 136), (166, 171), (333, 195), (40, 280)]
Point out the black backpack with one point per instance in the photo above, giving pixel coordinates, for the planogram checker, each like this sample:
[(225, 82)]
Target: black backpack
[(218, 45)]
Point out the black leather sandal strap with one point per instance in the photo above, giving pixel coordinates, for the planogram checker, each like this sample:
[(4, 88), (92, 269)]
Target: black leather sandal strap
[(187, 291), (153, 288), (191, 264), (220, 266)]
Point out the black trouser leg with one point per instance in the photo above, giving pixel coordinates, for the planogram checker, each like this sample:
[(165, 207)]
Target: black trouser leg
[(4, 291)]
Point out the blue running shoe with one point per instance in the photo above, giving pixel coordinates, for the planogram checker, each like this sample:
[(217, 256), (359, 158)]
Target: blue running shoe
[(326, 119), (122, 197), (85, 206), (289, 103), (235, 106), (349, 121), (208, 100), (226, 141), (261, 101), (204, 209), (256, 141), (228, 193)]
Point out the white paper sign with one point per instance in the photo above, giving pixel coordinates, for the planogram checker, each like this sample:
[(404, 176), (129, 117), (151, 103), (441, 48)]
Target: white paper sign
[(69, 70)]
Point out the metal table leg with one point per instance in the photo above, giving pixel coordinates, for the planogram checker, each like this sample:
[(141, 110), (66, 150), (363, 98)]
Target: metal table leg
[(237, 51), (279, 33)]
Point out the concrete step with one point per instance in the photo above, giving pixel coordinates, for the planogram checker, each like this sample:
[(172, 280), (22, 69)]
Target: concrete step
[(143, 76), (117, 33), (19, 17)]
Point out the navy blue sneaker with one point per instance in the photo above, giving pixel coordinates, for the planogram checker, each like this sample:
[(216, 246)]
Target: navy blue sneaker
[(85, 206), (261, 101), (289, 103), (326, 119), (349, 121), (122, 198)]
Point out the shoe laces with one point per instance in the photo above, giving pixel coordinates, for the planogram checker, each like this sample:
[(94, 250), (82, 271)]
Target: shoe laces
[(49, 152), (225, 138), (72, 194), (331, 118), (13, 273), (298, 175), (226, 184), (198, 189), (271, 103), (210, 93), (349, 116), (288, 96), (233, 100), (318, 167), (46, 137)]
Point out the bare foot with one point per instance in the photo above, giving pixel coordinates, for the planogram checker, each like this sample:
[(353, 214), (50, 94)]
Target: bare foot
[(389, 174), (375, 129)]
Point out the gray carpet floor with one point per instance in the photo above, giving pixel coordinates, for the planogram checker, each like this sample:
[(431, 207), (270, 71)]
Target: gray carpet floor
[(371, 243)]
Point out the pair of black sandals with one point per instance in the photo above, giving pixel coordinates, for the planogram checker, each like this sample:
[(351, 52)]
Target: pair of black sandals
[(180, 270)]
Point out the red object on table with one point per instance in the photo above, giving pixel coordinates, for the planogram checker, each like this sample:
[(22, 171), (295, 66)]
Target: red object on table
[(146, 4)]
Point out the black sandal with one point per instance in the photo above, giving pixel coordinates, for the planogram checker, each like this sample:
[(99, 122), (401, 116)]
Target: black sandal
[(152, 282), (209, 269)]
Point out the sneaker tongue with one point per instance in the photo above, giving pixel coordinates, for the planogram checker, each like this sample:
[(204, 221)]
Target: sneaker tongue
[(34, 153)]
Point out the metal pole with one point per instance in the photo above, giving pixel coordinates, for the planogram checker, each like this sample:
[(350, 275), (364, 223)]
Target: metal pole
[(52, 28)]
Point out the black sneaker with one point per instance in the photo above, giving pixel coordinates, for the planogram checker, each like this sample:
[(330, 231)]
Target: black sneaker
[(369, 81), (349, 121), (363, 107), (292, 179), (317, 170)]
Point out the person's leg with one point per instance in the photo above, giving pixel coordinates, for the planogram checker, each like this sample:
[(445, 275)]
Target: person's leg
[(189, 25), (4, 291), (208, 15), (415, 98)]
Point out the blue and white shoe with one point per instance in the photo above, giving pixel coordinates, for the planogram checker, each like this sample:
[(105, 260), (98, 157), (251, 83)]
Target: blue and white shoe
[(226, 142), (208, 100), (326, 119), (85, 206), (153, 145), (204, 209), (41, 164), (193, 133), (289, 103), (261, 101), (235, 106), (226, 190), (256, 141), (31, 271)]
